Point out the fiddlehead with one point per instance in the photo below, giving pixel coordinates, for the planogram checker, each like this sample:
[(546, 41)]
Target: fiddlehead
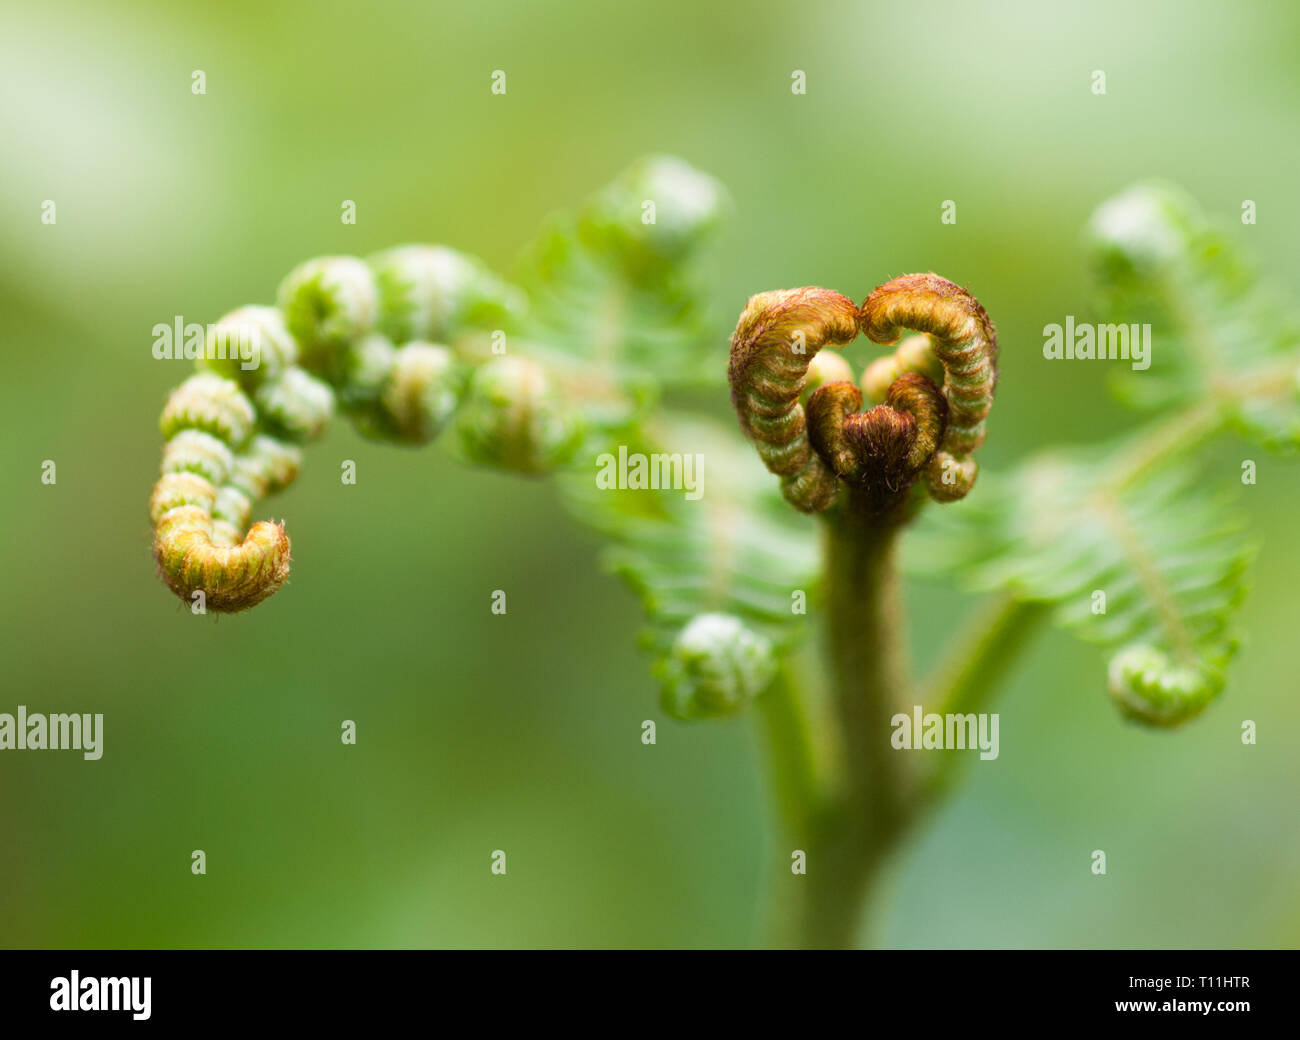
[(403, 342), (777, 337), (885, 448), (916, 428), (272, 378), (1148, 686), (212, 470), (716, 666), (828, 410), (964, 342)]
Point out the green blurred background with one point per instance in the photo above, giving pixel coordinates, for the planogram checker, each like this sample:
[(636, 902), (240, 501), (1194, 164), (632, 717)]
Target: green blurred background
[(522, 732)]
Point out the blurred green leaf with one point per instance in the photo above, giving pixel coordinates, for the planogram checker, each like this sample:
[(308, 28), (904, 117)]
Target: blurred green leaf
[(1131, 519), (737, 549), (1217, 331), (617, 284), (1156, 562)]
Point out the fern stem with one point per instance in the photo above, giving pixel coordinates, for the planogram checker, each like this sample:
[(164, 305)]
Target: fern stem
[(1194, 425), (1162, 441), (861, 821), (791, 754)]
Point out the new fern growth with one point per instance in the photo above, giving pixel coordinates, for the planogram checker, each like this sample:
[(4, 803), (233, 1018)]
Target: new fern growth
[(275, 376), (607, 316)]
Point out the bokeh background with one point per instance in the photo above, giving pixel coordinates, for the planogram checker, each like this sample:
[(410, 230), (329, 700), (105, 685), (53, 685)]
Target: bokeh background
[(522, 732)]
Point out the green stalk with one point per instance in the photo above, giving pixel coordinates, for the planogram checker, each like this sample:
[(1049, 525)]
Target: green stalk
[(791, 754), (880, 792), (849, 840)]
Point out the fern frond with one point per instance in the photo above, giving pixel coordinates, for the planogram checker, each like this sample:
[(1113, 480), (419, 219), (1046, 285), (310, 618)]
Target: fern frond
[(1154, 566), (1218, 332), (616, 284), (733, 552)]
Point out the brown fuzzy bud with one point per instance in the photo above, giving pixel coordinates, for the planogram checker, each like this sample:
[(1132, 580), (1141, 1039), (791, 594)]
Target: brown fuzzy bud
[(778, 335), (883, 449), (963, 341)]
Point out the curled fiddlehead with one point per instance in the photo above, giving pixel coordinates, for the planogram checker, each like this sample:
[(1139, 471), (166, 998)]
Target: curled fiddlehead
[(931, 395), (1149, 686), (886, 447), (777, 337), (273, 377), (716, 666), (964, 342), (212, 470), (418, 339)]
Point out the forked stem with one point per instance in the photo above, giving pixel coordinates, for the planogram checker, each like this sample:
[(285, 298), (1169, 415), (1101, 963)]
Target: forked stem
[(849, 830)]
